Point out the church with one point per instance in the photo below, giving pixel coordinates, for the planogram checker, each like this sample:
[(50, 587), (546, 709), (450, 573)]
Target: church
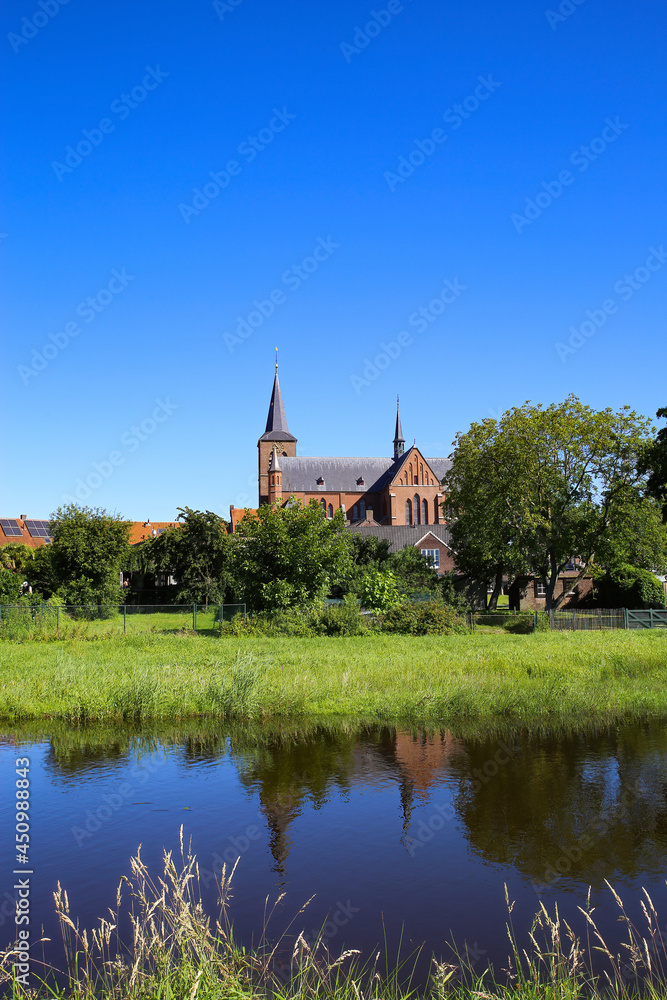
[(392, 497)]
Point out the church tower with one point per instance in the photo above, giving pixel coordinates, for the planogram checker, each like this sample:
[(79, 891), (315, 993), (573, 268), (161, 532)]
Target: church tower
[(276, 437)]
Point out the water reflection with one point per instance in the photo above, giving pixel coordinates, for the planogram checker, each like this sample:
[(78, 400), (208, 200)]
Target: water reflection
[(559, 809)]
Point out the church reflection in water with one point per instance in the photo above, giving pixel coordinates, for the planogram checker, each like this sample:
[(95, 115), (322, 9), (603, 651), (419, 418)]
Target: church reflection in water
[(553, 806)]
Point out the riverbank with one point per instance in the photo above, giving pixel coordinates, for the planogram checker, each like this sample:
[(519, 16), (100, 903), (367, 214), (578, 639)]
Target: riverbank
[(572, 678)]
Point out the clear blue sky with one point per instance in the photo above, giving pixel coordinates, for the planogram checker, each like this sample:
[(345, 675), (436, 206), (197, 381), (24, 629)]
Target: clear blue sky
[(534, 199)]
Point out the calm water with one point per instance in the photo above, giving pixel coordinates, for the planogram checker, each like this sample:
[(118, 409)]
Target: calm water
[(417, 830)]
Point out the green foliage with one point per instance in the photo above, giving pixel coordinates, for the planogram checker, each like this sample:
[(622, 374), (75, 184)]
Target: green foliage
[(523, 623), (414, 572), (307, 621), (287, 556), (10, 586), (378, 591), (539, 486), (654, 462), (423, 618), (630, 587), (82, 564), (198, 554)]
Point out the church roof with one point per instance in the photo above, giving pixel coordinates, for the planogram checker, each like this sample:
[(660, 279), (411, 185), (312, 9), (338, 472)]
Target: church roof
[(346, 475), (276, 421)]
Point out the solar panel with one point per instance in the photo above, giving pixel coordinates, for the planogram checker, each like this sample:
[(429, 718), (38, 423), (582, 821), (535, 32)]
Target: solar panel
[(38, 529), (10, 527)]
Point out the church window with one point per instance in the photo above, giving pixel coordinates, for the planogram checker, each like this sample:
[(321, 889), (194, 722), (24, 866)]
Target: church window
[(330, 511), (408, 511), (355, 513), (362, 508), (436, 512), (424, 511), (421, 474), (324, 505), (417, 508)]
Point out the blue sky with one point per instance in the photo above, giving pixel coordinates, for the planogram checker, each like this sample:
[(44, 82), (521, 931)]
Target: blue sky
[(470, 194)]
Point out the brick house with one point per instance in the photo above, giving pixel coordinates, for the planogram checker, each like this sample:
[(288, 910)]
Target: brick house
[(528, 593)]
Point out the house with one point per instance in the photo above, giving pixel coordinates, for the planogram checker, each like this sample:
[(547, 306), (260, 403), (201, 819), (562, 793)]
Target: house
[(528, 593)]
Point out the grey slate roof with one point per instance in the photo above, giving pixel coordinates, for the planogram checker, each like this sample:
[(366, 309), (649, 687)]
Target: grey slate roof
[(300, 474), (276, 421), (401, 536)]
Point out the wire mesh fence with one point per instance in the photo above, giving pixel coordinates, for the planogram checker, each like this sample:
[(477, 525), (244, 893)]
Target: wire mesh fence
[(24, 621)]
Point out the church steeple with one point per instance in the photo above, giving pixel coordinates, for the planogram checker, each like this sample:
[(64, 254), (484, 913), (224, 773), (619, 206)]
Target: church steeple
[(276, 438), (276, 421), (399, 443)]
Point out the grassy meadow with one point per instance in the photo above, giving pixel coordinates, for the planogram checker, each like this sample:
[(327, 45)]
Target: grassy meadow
[(571, 677)]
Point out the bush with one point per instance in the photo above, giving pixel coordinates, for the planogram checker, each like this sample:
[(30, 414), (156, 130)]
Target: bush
[(520, 624), (311, 620), (424, 618), (629, 587)]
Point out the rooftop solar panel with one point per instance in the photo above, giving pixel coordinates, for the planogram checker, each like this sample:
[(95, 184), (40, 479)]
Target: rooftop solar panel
[(10, 527), (38, 529)]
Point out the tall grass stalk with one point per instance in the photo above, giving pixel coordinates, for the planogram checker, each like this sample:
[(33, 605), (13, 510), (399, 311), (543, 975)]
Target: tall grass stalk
[(172, 950)]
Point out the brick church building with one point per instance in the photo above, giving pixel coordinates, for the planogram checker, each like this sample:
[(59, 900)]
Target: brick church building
[(396, 498)]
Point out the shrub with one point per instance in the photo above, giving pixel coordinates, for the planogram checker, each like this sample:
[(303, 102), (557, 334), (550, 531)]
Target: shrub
[(424, 618), (521, 624), (629, 587)]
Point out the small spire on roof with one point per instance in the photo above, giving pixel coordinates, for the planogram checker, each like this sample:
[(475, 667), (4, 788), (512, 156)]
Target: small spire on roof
[(276, 359), (399, 443)]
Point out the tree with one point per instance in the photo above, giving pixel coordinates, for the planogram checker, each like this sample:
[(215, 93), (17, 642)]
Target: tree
[(414, 572), (286, 556), (82, 563), (540, 486), (366, 553), (198, 554), (654, 462)]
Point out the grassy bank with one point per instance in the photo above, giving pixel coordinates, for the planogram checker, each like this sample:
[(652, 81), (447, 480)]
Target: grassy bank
[(548, 677), (177, 952)]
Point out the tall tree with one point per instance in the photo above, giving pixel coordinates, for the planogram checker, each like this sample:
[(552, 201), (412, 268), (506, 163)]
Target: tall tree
[(82, 563), (286, 556), (198, 554), (552, 483), (654, 462)]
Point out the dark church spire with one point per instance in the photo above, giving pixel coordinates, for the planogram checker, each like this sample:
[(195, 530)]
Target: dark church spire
[(276, 422), (399, 443)]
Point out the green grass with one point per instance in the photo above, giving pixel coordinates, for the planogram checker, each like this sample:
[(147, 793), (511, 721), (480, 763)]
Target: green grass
[(551, 678)]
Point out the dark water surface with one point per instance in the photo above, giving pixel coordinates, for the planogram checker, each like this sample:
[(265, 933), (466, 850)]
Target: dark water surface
[(419, 830)]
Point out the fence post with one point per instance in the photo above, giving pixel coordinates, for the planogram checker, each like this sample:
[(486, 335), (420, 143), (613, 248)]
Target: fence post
[(600, 617), (125, 619), (625, 617), (574, 621), (57, 621), (194, 617), (650, 612)]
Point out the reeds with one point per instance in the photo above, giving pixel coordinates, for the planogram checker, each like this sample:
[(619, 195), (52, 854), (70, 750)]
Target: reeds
[(170, 949)]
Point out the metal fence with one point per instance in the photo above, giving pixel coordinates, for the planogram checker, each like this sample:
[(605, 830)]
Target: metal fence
[(567, 620), (42, 620)]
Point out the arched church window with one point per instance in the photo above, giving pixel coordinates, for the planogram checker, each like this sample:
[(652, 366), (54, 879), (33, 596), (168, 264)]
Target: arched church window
[(417, 508), (355, 513), (424, 511), (323, 504), (362, 508), (330, 511), (408, 511)]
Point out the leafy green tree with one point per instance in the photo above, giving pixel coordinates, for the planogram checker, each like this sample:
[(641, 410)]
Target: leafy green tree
[(14, 561), (379, 591), (630, 587), (197, 554), (286, 556), (414, 572), (366, 552), (654, 462), (82, 564), (551, 484)]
